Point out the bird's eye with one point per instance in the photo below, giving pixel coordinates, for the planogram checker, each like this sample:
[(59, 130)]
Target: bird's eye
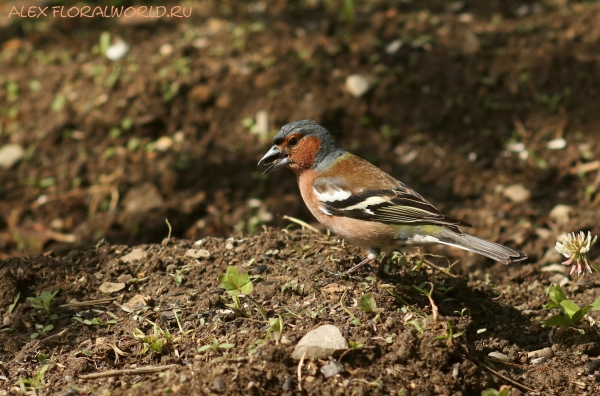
[(293, 141)]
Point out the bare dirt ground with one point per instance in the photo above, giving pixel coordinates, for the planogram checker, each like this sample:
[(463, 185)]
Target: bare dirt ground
[(489, 109)]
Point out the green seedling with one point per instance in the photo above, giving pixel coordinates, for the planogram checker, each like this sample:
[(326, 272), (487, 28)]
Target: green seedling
[(570, 314), (275, 329), (42, 330), (104, 42), (355, 320), (215, 346), (12, 91), (178, 277), (239, 285), (98, 321), (35, 383), (354, 344), (504, 391), (450, 336), (43, 301), (156, 341), (43, 359), (293, 286), (12, 306), (367, 303)]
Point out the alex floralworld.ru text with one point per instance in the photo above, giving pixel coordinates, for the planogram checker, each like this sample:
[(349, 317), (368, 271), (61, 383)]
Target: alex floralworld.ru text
[(98, 11)]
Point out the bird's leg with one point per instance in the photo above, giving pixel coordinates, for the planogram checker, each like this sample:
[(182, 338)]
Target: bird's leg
[(372, 256), (387, 259)]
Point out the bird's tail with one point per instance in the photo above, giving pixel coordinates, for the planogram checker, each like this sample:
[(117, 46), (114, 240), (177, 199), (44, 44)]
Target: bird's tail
[(489, 249)]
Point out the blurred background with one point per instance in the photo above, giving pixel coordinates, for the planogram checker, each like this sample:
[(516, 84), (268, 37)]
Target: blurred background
[(109, 126)]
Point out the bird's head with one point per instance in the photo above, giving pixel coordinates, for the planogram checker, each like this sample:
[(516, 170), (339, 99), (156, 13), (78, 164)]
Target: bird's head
[(300, 145)]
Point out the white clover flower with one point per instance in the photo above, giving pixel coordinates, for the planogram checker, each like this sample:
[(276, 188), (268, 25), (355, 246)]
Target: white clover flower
[(574, 248)]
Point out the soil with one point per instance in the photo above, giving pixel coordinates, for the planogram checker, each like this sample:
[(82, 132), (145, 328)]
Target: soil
[(463, 111)]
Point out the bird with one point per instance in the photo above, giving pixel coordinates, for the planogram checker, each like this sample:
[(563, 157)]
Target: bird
[(364, 205)]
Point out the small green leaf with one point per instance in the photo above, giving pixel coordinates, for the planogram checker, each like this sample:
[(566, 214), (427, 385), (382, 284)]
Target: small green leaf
[(205, 348), (226, 346), (595, 305), (558, 320), (579, 314), (569, 308), (367, 303), (556, 294)]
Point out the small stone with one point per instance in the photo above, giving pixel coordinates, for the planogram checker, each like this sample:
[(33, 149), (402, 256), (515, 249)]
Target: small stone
[(7, 321), (393, 47), (466, 17), (552, 256), (200, 94), (471, 44), (357, 85), (320, 343), (499, 356), (557, 144), (219, 383), (143, 199), (110, 287), (332, 368), (136, 303), (455, 370), (539, 360), (117, 50), (592, 367), (560, 213), (166, 49), (288, 383), (229, 246), (517, 193), (10, 154), (547, 353), (163, 143), (136, 254), (262, 122), (223, 101), (197, 253), (557, 278)]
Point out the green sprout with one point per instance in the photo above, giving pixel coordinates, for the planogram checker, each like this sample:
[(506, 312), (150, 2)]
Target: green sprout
[(293, 286), (450, 335), (41, 330), (12, 306), (215, 346), (157, 340), (355, 320), (239, 285), (35, 383), (275, 329), (504, 391), (570, 314), (98, 321), (354, 344), (43, 301)]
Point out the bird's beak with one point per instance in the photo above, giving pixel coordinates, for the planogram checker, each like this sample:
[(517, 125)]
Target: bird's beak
[(276, 158)]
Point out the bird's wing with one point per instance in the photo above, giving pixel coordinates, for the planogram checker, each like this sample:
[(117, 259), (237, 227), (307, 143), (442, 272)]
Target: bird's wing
[(398, 204)]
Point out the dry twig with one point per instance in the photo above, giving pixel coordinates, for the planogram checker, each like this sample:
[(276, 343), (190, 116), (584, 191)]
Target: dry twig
[(300, 371), (119, 373), (301, 223)]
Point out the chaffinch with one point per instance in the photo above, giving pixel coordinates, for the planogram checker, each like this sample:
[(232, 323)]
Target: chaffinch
[(364, 205)]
